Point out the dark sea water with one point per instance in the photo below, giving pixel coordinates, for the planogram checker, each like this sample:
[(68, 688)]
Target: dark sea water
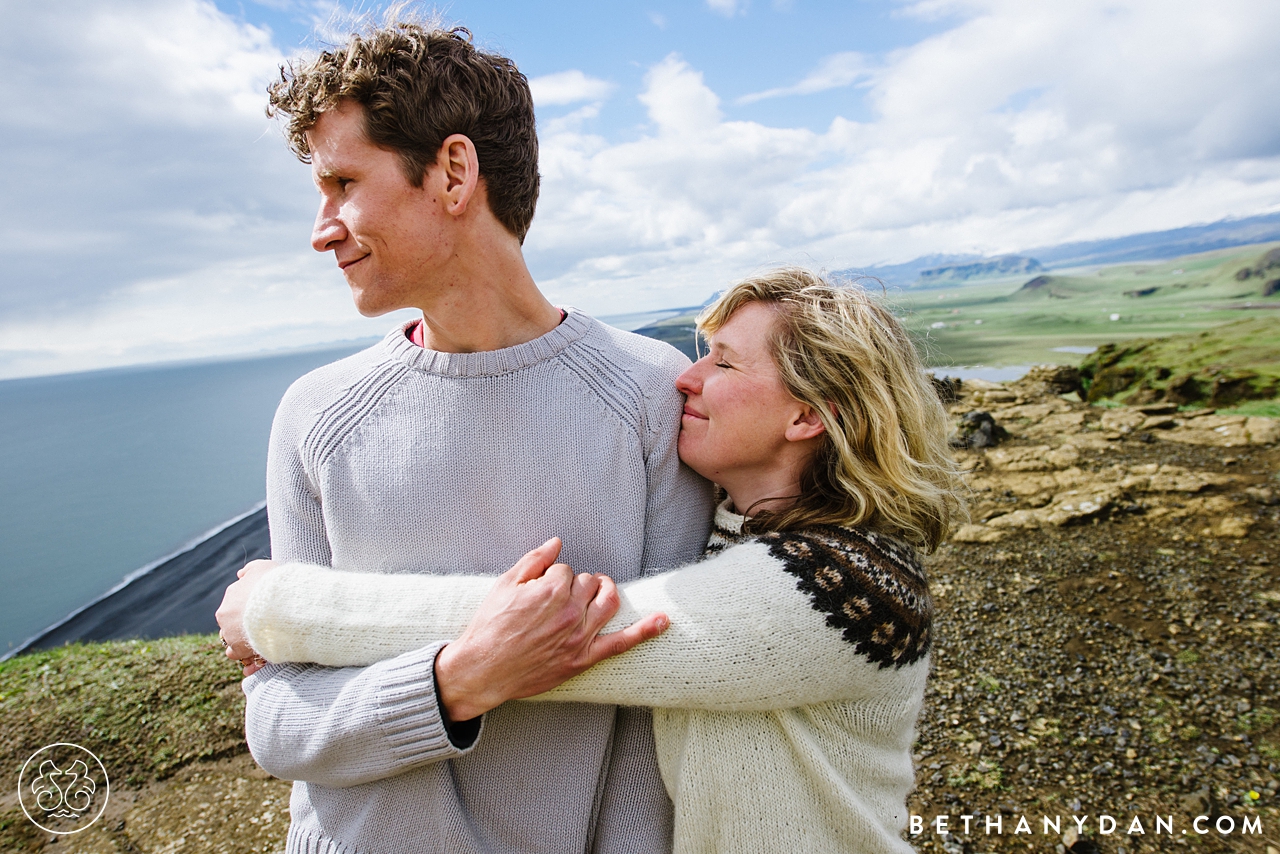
[(102, 473)]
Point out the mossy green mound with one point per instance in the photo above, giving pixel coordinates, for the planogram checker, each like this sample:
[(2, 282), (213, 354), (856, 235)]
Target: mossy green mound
[(145, 708), (1221, 366)]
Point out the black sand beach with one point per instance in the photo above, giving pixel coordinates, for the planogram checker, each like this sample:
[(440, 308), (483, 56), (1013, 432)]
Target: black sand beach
[(177, 597)]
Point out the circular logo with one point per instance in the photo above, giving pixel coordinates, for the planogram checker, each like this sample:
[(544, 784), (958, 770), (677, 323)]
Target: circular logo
[(63, 788)]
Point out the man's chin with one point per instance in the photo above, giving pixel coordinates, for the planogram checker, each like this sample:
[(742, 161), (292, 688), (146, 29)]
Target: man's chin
[(369, 307)]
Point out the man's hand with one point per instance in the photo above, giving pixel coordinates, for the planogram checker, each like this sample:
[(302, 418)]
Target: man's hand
[(537, 628), (230, 615)]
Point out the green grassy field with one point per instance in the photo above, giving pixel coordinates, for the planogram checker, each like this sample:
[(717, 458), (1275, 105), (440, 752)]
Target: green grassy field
[(1005, 322)]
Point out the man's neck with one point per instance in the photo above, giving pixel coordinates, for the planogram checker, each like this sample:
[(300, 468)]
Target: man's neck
[(488, 304)]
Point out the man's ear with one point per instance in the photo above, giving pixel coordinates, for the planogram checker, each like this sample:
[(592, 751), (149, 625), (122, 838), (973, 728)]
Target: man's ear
[(459, 172), (805, 425)]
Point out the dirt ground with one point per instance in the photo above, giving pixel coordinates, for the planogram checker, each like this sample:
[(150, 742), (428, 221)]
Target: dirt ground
[(229, 806)]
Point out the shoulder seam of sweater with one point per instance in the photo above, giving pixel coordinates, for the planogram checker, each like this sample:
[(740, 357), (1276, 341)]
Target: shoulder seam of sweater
[(336, 421), (616, 389)]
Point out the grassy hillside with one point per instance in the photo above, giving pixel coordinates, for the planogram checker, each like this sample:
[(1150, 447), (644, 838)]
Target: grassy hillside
[(1221, 366), (1012, 322), (146, 708)]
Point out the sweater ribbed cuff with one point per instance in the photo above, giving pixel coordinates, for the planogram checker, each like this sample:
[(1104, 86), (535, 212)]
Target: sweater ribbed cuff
[(409, 712)]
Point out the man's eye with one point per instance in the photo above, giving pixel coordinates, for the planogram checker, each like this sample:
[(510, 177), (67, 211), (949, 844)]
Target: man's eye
[(723, 365)]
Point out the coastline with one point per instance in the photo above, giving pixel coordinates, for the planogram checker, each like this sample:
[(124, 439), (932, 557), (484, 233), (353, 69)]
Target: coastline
[(176, 594)]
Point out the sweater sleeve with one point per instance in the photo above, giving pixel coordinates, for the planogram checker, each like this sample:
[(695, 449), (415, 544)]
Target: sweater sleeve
[(742, 635), (299, 612), (293, 499), (347, 726), (679, 504)]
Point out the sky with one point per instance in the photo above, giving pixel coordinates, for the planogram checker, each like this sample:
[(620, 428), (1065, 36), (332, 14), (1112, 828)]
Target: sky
[(153, 213)]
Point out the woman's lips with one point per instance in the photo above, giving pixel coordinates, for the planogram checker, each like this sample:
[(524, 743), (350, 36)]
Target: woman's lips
[(689, 413)]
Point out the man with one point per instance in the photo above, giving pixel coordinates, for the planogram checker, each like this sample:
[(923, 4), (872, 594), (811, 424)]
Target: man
[(456, 445)]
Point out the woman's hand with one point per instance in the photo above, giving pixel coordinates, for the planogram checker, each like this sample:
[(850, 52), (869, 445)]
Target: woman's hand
[(230, 616), (538, 627)]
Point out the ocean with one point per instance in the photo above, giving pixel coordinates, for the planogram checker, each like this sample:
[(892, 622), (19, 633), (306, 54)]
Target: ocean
[(104, 472)]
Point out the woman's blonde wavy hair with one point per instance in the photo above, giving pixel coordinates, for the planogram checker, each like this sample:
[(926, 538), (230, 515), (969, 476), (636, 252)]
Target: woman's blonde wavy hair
[(884, 462)]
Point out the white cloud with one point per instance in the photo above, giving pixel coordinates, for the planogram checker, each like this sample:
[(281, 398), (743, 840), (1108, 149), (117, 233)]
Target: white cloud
[(728, 8), (155, 197), (1021, 125), (837, 70), (678, 99), (246, 305), (568, 87), (103, 124)]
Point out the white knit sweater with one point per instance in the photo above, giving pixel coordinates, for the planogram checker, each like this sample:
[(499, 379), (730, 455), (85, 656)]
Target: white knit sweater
[(786, 690)]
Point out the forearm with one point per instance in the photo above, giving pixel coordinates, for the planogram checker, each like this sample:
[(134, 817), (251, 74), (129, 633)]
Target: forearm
[(346, 727), (315, 614)]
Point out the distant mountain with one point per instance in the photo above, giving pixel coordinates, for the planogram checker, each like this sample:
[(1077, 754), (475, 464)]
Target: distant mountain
[(903, 275), (1002, 265), (1162, 245), (1148, 246)]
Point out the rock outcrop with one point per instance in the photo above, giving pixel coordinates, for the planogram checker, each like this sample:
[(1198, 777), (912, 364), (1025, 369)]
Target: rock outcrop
[(1064, 462)]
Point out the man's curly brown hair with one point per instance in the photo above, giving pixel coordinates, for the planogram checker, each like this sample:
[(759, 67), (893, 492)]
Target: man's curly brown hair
[(418, 85)]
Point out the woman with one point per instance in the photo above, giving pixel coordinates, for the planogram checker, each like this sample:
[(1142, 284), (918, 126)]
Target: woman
[(787, 688)]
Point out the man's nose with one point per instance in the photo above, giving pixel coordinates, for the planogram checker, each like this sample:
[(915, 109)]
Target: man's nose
[(328, 230)]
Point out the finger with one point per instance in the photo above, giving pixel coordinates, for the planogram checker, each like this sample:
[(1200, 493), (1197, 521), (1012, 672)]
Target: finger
[(240, 649), (261, 565), (604, 605), (559, 575), (585, 587), (616, 643), (535, 563)]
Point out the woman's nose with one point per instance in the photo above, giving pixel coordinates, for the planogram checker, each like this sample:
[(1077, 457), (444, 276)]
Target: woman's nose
[(690, 382)]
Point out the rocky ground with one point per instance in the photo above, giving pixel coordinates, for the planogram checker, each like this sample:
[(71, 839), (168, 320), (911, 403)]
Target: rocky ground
[(1105, 647), (1106, 633)]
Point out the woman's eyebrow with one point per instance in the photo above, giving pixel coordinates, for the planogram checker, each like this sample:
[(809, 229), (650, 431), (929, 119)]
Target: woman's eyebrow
[(723, 348)]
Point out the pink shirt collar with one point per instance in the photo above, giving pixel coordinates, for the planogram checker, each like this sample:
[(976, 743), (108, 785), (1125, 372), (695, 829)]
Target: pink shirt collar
[(416, 333)]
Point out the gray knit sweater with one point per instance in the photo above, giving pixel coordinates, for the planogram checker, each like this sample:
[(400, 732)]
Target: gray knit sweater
[(398, 455)]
